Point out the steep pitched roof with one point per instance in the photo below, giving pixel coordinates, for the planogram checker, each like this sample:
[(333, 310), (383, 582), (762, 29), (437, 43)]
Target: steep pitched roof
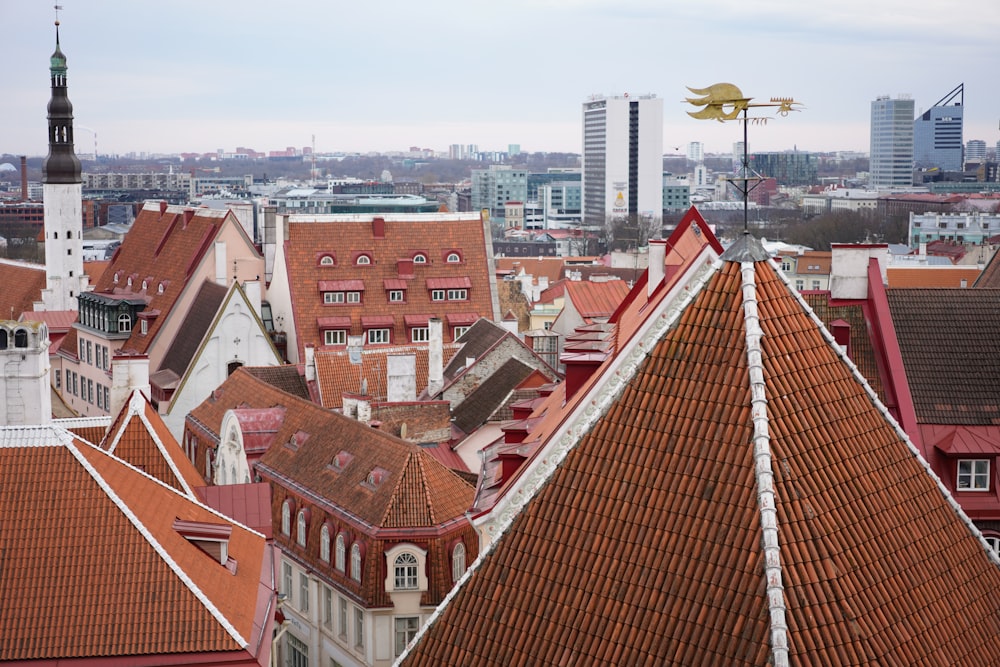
[(244, 388), (164, 246), (286, 378), (489, 396), (596, 300), (139, 437), (990, 277), (390, 251), (91, 542), (948, 340), (480, 337), (199, 317), (728, 491)]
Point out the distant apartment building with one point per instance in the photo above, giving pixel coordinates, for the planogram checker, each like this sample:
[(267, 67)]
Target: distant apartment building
[(314, 201), (676, 194), (937, 133), (891, 152), (969, 228), (492, 188), (145, 181), (561, 203), (975, 150), (787, 168), (622, 159)]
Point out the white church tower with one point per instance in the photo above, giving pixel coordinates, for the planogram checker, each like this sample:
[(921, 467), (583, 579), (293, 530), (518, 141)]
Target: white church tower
[(62, 189)]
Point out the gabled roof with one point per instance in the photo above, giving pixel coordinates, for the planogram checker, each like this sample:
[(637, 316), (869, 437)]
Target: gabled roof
[(727, 491), (489, 396), (244, 388), (951, 352), (990, 277), (480, 337), (90, 542), (286, 378), (139, 437), (596, 300), (197, 321), (164, 247), (547, 267)]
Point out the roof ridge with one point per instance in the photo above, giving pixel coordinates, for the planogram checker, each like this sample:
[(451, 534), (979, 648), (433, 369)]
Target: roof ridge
[(763, 467), (179, 572), (413, 460)]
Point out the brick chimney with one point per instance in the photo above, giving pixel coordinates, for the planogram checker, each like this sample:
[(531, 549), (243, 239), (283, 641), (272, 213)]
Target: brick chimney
[(378, 227), (24, 178)]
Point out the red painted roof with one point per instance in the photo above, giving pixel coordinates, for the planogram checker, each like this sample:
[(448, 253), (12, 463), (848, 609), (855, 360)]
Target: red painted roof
[(596, 300), (22, 287), (726, 491)]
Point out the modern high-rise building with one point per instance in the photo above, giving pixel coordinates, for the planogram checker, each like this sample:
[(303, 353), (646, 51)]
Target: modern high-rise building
[(788, 168), (937, 133), (696, 151), (622, 159), (492, 188), (975, 150), (891, 143)]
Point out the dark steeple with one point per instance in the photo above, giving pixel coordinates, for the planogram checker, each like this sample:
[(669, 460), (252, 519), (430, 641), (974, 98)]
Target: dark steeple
[(61, 165)]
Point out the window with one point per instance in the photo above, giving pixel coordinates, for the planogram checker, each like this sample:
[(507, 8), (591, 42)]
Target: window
[(800, 285), (90, 391), (58, 377), (286, 518), (143, 327), (300, 528), (460, 331), (420, 334), (974, 475), (303, 591), (124, 323), (405, 571), (376, 336), (341, 616), (815, 284), (457, 562), (420, 258), (335, 337), (994, 542), (453, 258), (339, 555), (786, 266), (298, 652), (100, 397), (359, 628), (354, 297), (327, 608), (324, 544), (363, 260), (356, 562), (326, 260), (406, 629), (90, 352), (286, 578), (396, 296), (333, 297), (458, 295)]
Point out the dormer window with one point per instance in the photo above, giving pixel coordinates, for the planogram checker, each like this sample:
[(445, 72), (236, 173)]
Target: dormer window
[(326, 260), (973, 475), (124, 322), (453, 258), (129, 281), (340, 553), (301, 526), (406, 565), (405, 572), (420, 258), (341, 460), (286, 517), (145, 285), (211, 538), (115, 278), (356, 562), (376, 477), (160, 288), (363, 260), (324, 543)]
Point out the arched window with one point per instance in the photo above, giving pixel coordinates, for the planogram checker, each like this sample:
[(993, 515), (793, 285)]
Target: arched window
[(457, 562), (420, 258), (340, 553), (453, 258), (20, 338), (326, 260), (405, 572), (124, 323), (3, 339), (300, 528), (363, 259), (356, 562), (994, 542), (286, 518), (324, 544)]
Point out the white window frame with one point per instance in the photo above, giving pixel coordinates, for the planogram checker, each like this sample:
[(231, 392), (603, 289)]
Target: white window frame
[(405, 628), (363, 260), (437, 294), (397, 296), (406, 566), (353, 297), (976, 475), (326, 260), (356, 562), (380, 336), (458, 332), (303, 591), (359, 628), (286, 518), (327, 607), (342, 617), (420, 334), (453, 258), (340, 553), (458, 562), (335, 337), (333, 297), (286, 579), (458, 295), (324, 543), (420, 258), (405, 572), (300, 528)]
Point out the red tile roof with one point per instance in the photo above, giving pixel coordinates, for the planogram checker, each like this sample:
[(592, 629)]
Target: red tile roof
[(22, 287), (596, 300), (89, 542), (344, 237), (932, 276), (728, 491)]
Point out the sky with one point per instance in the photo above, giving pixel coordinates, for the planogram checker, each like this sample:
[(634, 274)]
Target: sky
[(186, 76)]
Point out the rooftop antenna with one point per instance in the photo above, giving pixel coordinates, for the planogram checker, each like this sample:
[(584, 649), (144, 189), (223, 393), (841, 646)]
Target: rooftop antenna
[(724, 101)]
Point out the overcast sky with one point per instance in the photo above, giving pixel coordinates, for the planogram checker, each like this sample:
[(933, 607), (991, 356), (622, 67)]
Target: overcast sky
[(365, 75)]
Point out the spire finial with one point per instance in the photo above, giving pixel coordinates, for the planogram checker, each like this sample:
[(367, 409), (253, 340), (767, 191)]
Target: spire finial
[(58, 8)]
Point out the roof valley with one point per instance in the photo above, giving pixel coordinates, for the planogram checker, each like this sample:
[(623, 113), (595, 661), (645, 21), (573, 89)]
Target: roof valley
[(763, 468)]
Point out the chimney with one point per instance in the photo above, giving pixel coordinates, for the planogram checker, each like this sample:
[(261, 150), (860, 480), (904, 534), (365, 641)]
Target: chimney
[(401, 380), (378, 227), (364, 411), (188, 214), (310, 363), (435, 357), (24, 178), (849, 268), (657, 257), (128, 373), (163, 207)]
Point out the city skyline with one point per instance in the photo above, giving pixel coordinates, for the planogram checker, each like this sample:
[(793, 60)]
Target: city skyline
[(382, 78)]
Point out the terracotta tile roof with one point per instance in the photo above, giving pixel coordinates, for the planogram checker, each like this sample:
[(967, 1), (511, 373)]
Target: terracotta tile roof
[(489, 396), (244, 388), (728, 492), (480, 337), (91, 429), (548, 267), (22, 287), (345, 237), (286, 378), (951, 352), (90, 542), (249, 504), (139, 437), (55, 320), (337, 375), (162, 248), (596, 300), (932, 276), (990, 277)]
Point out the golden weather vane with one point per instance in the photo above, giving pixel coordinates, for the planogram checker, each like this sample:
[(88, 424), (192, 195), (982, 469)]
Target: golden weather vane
[(725, 101)]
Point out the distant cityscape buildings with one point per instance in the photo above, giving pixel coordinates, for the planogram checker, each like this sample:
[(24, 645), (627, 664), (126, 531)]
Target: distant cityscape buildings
[(975, 150), (891, 153), (937, 133)]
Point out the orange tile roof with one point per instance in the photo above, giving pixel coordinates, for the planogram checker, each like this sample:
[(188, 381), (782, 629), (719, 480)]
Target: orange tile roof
[(728, 492), (548, 267), (932, 276), (22, 287), (337, 375), (596, 300), (345, 237), (89, 542), (138, 436)]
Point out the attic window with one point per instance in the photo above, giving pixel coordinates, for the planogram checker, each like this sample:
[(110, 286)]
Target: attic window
[(211, 538), (129, 281), (375, 478), (453, 258), (340, 461), (326, 260), (363, 260), (115, 278), (420, 258), (296, 440), (145, 285), (160, 288)]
